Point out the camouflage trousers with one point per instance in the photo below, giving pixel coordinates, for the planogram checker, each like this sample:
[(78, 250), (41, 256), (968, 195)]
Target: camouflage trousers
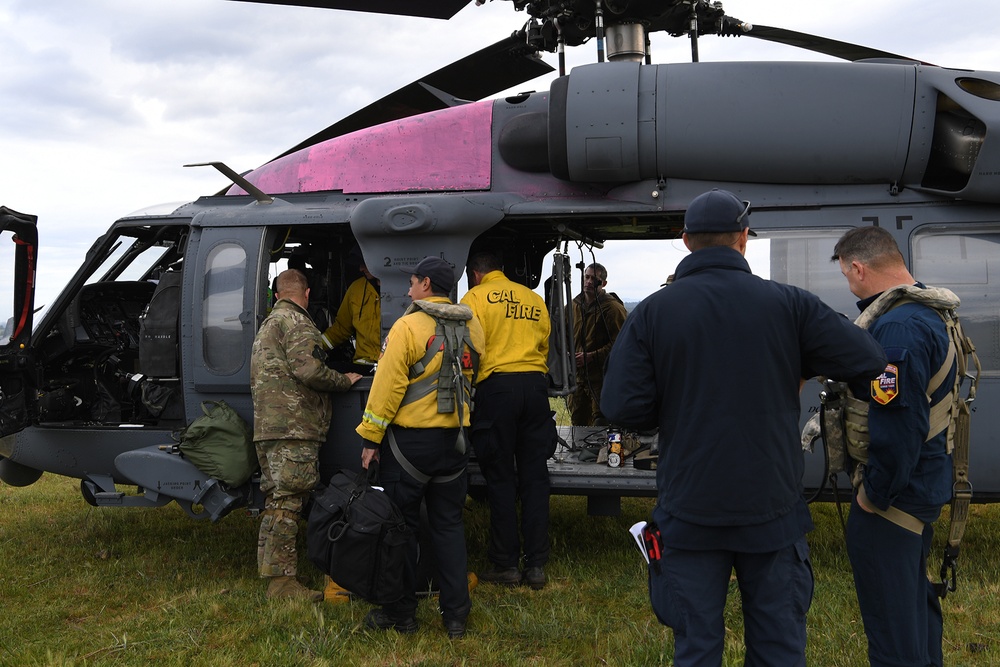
[(289, 472)]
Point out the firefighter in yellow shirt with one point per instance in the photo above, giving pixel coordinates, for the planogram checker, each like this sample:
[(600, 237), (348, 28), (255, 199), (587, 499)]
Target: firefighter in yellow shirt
[(359, 315), (513, 430), (411, 424)]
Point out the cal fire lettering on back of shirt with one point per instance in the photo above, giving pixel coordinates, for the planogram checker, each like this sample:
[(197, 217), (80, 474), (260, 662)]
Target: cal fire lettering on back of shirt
[(515, 310), (519, 311), (501, 296)]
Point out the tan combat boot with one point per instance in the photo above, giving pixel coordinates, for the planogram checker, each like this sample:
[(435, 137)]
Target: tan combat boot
[(289, 587), (335, 593)]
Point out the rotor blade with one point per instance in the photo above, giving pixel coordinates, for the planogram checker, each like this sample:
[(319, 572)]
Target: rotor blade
[(830, 47), (503, 65), (434, 9)]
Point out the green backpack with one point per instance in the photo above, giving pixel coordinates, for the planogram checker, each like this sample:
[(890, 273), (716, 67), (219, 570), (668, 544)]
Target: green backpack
[(220, 444)]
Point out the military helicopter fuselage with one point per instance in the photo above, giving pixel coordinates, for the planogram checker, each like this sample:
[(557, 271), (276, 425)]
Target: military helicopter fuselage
[(162, 314)]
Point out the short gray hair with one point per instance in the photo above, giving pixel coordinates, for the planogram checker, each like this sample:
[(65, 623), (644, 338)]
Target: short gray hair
[(871, 246)]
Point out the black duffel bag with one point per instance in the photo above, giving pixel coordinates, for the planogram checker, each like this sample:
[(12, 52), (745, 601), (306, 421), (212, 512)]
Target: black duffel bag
[(357, 536)]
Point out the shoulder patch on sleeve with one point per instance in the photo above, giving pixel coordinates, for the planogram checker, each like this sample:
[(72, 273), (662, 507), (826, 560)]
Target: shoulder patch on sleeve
[(886, 386)]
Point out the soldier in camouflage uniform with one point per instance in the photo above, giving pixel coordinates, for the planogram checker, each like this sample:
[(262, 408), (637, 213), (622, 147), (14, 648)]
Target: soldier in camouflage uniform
[(291, 413)]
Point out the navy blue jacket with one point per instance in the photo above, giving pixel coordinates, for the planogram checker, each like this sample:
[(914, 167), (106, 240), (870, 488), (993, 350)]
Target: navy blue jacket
[(903, 470), (714, 360)]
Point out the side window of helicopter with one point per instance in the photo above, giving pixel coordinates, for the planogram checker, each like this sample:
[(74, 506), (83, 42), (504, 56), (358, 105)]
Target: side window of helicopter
[(966, 261), (225, 274), (962, 260), (802, 257)]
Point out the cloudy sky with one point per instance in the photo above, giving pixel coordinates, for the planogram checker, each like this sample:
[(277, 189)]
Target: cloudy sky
[(103, 101)]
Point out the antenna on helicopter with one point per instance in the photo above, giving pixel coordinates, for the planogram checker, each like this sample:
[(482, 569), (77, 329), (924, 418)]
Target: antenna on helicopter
[(693, 33), (560, 46), (599, 26), (258, 194)]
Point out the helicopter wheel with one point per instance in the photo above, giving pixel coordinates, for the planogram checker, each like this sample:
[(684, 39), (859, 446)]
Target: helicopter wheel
[(16, 474), (87, 490)]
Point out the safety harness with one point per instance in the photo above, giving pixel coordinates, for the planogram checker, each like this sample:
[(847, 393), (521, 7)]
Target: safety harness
[(843, 421), (453, 342)]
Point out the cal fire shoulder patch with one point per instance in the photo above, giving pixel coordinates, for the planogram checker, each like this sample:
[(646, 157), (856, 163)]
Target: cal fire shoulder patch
[(886, 386)]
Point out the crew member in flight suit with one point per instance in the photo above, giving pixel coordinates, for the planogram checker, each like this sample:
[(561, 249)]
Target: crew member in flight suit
[(513, 431), (359, 315), (905, 470), (428, 440), (715, 360)]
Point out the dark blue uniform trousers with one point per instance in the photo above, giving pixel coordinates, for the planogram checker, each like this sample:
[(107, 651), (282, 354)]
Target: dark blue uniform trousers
[(514, 434), (900, 610), (432, 452), (689, 595)]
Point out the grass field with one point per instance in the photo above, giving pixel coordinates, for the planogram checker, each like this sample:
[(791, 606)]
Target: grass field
[(87, 586)]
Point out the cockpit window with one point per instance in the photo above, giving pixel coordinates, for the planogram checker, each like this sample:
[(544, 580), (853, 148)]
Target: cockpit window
[(128, 260)]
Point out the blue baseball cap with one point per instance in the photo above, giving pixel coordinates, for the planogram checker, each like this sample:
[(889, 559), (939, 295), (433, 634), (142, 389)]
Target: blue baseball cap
[(717, 211), (441, 273)]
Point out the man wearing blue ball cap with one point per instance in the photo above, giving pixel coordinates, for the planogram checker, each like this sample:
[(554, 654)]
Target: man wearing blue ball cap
[(715, 360)]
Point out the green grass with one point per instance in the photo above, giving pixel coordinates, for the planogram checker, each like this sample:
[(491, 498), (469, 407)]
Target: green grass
[(87, 586)]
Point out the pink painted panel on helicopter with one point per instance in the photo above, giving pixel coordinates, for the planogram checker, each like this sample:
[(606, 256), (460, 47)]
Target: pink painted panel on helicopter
[(445, 150)]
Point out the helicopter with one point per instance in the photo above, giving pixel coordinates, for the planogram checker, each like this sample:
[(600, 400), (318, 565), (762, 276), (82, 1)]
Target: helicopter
[(162, 313)]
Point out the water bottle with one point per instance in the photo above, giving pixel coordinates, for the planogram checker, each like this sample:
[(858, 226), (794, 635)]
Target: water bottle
[(614, 446)]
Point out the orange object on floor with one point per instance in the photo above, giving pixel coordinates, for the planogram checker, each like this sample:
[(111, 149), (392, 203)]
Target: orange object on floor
[(335, 593)]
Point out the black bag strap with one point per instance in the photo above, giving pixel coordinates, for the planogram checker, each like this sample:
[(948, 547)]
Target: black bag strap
[(369, 477), (411, 470)]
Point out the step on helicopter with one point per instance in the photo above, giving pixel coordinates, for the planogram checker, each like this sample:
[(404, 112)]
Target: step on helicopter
[(161, 315)]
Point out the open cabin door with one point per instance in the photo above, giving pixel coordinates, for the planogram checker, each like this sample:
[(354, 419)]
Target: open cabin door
[(18, 258)]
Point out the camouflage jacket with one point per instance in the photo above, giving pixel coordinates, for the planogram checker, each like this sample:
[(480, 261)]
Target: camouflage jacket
[(289, 379)]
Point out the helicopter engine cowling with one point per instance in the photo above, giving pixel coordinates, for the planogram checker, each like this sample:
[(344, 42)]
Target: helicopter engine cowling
[(750, 122), (896, 123)]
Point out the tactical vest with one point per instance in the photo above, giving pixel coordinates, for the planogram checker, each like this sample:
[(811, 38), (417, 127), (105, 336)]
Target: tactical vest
[(451, 339), (843, 419)]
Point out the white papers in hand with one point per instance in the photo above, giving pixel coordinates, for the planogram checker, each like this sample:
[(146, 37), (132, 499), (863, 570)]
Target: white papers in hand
[(636, 531)]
